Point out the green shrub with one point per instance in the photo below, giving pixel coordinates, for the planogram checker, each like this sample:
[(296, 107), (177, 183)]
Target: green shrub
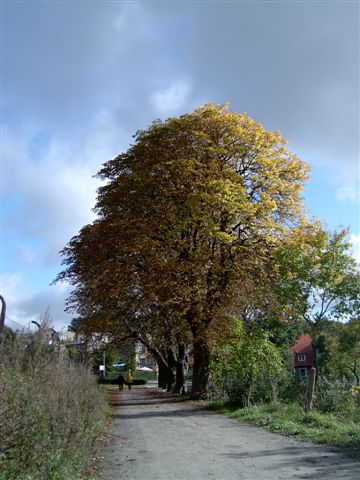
[(51, 412), (106, 380), (336, 396), (139, 381), (293, 391), (249, 368), (113, 381)]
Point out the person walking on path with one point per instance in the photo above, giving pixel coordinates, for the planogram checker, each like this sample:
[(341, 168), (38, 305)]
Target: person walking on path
[(121, 382), (129, 380)]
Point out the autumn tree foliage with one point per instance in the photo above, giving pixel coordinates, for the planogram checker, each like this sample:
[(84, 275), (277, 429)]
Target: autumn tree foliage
[(187, 220)]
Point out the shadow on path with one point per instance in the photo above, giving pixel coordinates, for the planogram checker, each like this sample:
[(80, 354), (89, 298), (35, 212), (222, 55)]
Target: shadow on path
[(160, 436)]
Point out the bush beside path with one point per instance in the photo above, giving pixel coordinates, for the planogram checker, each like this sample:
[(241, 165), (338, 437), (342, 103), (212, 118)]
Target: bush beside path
[(159, 436), (51, 412)]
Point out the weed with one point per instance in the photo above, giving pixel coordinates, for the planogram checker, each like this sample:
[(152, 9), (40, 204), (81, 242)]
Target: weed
[(51, 412)]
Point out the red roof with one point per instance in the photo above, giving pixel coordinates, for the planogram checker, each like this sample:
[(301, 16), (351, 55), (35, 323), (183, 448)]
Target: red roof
[(303, 347)]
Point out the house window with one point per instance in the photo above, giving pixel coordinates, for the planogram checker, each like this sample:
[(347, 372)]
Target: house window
[(142, 361), (301, 357), (303, 372)]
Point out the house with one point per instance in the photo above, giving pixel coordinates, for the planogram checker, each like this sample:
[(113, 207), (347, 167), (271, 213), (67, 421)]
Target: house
[(66, 337), (304, 355), (143, 357)]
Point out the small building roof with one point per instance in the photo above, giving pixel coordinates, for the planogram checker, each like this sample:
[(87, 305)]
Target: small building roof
[(305, 347)]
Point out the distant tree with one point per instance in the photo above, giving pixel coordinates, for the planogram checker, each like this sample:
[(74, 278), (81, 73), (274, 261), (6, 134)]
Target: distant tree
[(188, 213), (319, 281), (75, 325), (345, 350), (259, 306), (131, 363), (111, 356)]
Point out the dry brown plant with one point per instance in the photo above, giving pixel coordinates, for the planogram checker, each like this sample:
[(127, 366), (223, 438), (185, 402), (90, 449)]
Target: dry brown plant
[(51, 411)]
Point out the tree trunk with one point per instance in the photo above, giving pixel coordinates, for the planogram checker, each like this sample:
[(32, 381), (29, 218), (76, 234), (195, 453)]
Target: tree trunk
[(201, 369), (171, 361), (163, 374), (163, 367), (181, 369)]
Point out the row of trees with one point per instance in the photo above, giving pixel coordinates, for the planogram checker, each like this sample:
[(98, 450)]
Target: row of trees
[(199, 221)]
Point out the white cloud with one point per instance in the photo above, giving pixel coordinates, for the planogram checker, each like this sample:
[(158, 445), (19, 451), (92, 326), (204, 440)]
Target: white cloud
[(53, 198), (46, 201), (347, 193), (23, 305), (355, 240), (13, 287), (10, 285), (55, 194), (131, 14), (171, 98)]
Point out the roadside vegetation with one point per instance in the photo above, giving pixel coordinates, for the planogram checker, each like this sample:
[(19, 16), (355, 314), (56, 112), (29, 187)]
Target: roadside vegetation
[(253, 380), (51, 411), (139, 378), (290, 419), (253, 372)]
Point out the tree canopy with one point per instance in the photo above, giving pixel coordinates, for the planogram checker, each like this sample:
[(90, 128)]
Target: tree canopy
[(319, 278), (186, 217)]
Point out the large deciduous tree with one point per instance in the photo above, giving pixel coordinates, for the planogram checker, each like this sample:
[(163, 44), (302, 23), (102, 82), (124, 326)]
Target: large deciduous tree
[(187, 214), (346, 350), (319, 280)]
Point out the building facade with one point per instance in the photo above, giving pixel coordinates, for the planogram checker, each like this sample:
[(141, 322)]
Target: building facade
[(304, 355)]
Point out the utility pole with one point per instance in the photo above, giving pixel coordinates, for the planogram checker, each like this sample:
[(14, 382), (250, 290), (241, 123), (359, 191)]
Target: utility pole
[(310, 390)]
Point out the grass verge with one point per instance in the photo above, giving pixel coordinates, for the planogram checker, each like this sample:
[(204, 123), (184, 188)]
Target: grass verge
[(291, 419)]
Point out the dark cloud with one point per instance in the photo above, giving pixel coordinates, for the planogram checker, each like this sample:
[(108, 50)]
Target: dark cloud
[(34, 307), (26, 303), (292, 65)]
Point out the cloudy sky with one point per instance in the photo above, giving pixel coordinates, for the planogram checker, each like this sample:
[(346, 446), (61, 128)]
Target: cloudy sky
[(80, 77)]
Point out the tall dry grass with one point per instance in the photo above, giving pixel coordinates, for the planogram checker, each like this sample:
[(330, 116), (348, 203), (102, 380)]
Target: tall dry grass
[(51, 412)]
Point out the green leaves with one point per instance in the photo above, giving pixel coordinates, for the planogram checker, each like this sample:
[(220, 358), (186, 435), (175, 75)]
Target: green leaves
[(318, 276), (246, 361)]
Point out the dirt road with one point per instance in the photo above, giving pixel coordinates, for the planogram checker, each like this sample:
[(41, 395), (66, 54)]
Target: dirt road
[(156, 437)]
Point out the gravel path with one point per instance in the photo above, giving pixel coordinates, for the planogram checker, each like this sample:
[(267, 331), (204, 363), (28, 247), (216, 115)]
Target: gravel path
[(158, 437)]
